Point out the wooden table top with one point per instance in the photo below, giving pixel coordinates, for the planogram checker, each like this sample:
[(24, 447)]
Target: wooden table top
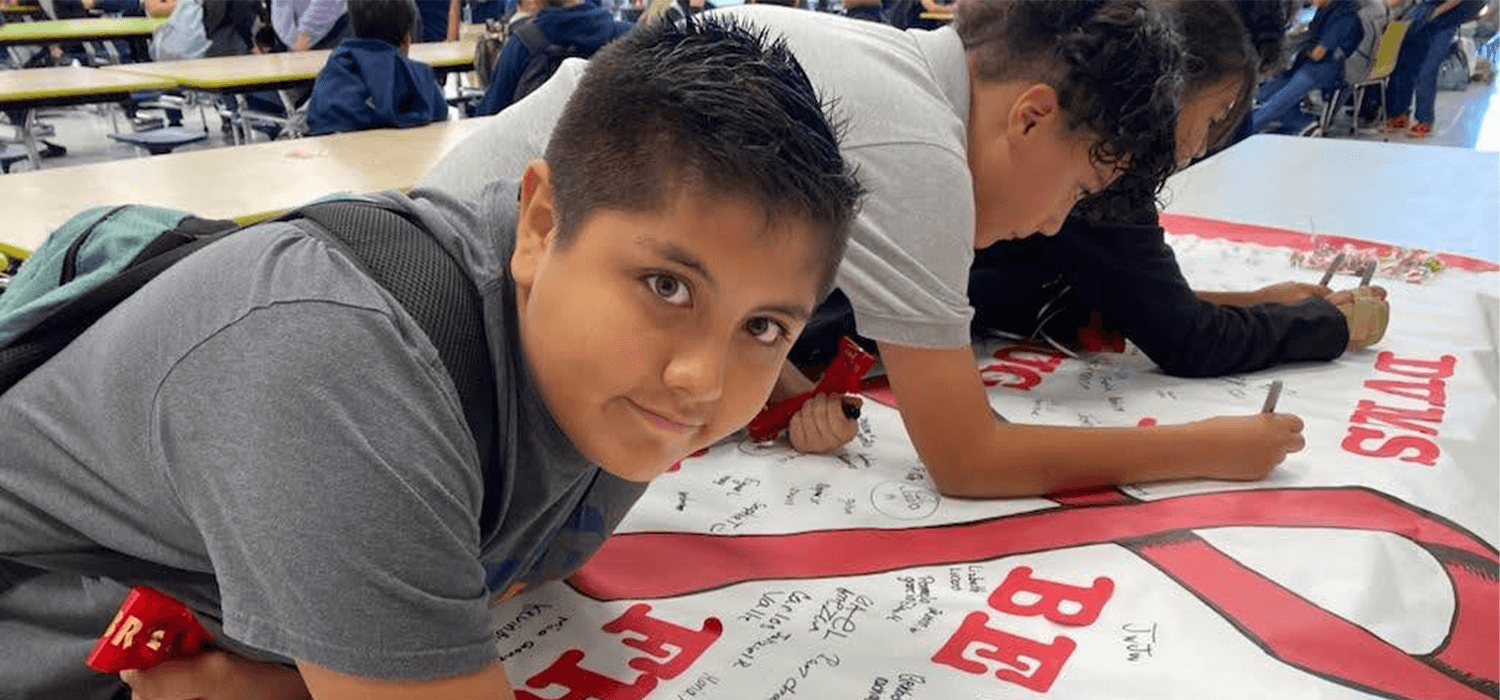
[(77, 30), (229, 73), (230, 182), (70, 84)]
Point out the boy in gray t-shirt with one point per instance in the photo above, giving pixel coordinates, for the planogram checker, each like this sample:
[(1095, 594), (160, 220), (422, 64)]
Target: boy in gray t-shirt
[(265, 434)]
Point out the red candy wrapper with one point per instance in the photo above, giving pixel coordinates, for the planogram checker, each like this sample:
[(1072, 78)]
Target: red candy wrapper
[(149, 628), (841, 377)]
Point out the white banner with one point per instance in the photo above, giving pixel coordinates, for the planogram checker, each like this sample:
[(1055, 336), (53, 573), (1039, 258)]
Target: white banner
[(1364, 567)]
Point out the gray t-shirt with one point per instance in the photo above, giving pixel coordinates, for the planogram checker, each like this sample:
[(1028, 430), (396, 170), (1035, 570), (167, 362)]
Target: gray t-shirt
[(904, 97), (265, 434)]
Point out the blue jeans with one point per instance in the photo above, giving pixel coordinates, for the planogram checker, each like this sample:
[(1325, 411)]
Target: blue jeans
[(1281, 95), (1416, 71)]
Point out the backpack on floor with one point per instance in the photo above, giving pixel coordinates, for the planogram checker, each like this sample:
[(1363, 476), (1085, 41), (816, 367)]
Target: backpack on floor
[(545, 57), (101, 256), (1453, 72)]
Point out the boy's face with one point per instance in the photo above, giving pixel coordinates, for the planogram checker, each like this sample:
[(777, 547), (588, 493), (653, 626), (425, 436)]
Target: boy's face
[(1028, 169), (652, 335)]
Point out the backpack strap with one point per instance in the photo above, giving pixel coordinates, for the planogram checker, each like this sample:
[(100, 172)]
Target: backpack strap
[(531, 36), (389, 245), (395, 250)]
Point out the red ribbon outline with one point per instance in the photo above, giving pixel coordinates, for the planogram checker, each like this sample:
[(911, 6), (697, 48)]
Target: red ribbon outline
[(1290, 628)]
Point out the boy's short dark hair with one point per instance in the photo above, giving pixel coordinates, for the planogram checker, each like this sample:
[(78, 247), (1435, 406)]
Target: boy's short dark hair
[(391, 21), (705, 107), (1116, 67)]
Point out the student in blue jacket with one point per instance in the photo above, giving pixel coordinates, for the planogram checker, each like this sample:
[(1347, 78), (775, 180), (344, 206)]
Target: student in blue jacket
[(369, 82), (1333, 34), (1428, 40), (577, 27)]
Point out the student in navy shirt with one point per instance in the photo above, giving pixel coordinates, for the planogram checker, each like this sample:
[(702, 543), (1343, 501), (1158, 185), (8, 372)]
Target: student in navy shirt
[(1333, 34), (439, 20), (1427, 43), (586, 26), (369, 82)]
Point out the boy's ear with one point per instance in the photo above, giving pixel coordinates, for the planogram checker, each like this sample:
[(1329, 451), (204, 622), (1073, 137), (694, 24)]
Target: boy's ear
[(1035, 107), (536, 225)]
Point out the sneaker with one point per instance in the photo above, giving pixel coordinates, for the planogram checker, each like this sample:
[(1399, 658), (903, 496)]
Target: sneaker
[(1396, 123), (1419, 130)]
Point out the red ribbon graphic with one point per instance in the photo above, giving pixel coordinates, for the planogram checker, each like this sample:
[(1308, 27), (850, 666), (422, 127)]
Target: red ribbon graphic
[(1288, 627)]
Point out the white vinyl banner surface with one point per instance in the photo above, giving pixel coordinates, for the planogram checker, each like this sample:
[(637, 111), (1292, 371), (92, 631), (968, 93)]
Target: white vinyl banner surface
[(1364, 567)]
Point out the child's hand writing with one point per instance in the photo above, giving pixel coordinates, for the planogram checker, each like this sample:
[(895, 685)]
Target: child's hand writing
[(1246, 448), (1289, 292), (216, 675)]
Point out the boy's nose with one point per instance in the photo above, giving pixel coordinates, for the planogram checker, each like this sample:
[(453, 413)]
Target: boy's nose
[(695, 372)]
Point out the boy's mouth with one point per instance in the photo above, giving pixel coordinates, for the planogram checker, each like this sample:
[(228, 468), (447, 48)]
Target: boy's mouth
[(665, 421)]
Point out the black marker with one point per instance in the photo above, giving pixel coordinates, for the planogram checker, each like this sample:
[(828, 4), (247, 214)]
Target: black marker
[(1332, 268), (1271, 397)]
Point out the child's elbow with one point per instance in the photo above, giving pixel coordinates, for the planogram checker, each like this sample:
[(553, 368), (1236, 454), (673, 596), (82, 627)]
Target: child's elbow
[(978, 473)]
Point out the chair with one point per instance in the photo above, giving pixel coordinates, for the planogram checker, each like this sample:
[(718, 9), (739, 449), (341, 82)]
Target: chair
[(1380, 73), (159, 140)]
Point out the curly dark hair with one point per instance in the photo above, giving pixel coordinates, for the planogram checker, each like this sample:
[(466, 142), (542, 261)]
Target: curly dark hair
[(1221, 39), (1267, 22), (711, 104), (1116, 67)]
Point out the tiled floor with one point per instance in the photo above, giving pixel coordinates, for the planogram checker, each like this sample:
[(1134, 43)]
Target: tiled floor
[(1468, 119)]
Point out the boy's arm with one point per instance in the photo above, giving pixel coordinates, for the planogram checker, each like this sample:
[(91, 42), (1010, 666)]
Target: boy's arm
[(971, 454), (1443, 9), (454, 18), (1131, 276)]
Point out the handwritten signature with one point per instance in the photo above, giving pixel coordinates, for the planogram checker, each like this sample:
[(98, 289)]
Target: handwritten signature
[(1139, 640)]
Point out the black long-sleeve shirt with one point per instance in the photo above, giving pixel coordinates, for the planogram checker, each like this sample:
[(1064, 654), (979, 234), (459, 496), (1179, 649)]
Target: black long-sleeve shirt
[(1128, 273)]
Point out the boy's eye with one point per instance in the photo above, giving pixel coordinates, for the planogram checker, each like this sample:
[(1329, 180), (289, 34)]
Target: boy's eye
[(765, 330), (669, 288)]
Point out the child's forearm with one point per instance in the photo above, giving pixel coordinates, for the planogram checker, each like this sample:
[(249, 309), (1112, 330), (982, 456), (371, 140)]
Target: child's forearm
[(1443, 8), (1031, 460)]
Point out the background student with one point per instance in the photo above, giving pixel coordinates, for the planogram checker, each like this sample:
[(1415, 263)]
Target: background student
[(1428, 41), (576, 27), (1333, 35), (369, 82)]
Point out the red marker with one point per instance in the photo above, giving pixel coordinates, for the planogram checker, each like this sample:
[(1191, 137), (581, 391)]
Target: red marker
[(841, 377), (150, 627)]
